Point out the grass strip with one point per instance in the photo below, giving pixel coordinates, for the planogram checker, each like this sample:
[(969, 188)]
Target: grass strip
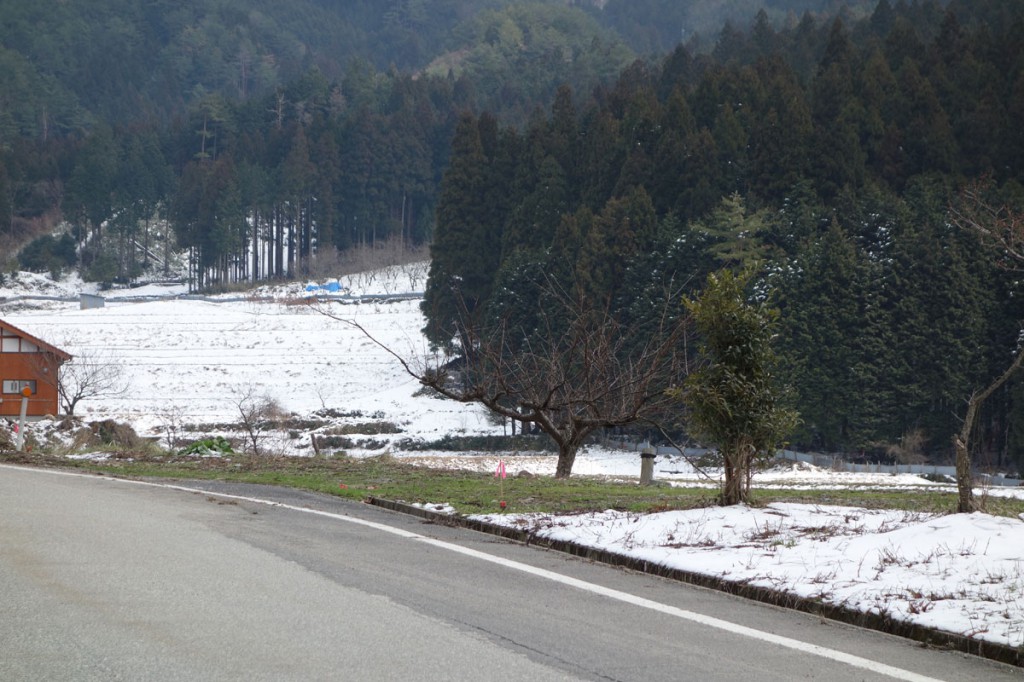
[(479, 493)]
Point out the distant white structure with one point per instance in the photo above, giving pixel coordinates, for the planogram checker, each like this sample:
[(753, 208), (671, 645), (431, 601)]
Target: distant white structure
[(90, 301)]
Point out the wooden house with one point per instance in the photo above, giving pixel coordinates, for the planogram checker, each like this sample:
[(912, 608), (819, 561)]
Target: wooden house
[(28, 362)]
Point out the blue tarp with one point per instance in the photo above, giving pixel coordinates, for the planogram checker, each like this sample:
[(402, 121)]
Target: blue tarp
[(332, 287)]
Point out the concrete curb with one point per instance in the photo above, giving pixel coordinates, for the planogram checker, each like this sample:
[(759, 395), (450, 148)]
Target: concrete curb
[(926, 636)]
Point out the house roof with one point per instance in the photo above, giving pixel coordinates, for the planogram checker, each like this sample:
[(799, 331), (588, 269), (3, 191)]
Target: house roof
[(64, 356)]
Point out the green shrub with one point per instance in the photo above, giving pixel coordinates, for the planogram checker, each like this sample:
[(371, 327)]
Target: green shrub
[(216, 446), (48, 254)]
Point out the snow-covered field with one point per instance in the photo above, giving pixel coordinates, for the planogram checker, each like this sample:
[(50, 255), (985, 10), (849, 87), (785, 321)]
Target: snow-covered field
[(189, 361), (193, 361)]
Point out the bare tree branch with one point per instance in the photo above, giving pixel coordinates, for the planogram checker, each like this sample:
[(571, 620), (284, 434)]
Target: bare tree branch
[(999, 227), (91, 374), (581, 370), (257, 411), (1002, 229)]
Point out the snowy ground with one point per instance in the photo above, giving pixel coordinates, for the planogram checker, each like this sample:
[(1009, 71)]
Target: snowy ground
[(191, 362)]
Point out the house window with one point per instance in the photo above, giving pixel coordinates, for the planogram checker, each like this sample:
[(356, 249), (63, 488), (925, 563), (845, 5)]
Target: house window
[(14, 344), (14, 386)]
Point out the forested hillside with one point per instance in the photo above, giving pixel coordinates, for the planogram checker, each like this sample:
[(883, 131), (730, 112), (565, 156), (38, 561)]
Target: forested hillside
[(124, 61), (66, 66), (828, 154), (264, 131), (824, 142), (122, 76), (698, 23)]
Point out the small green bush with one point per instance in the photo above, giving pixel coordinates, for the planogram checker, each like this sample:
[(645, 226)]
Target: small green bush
[(48, 254), (217, 446)]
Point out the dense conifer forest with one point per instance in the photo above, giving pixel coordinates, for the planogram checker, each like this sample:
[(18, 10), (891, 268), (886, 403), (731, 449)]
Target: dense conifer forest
[(620, 146), (826, 153)]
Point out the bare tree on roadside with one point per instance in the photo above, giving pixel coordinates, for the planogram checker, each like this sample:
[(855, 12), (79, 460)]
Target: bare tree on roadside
[(258, 413), (1002, 230), (577, 370), (173, 420)]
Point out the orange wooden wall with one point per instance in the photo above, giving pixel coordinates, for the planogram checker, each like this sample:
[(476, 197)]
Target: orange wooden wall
[(23, 360)]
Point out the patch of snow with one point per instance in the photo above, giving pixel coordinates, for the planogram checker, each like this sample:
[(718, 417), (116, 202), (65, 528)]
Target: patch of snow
[(958, 573)]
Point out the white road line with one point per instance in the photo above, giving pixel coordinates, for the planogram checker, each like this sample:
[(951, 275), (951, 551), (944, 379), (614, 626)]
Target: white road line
[(709, 621)]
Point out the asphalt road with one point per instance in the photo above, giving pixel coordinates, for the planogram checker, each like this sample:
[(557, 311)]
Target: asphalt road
[(112, 580)]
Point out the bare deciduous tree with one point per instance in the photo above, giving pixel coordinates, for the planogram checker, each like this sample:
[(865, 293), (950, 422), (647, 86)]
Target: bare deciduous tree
[(383, 259), (258, 412), (578, 371), (999, 226), (173, 420), (1002, 229), (91, 374), (961, 441)]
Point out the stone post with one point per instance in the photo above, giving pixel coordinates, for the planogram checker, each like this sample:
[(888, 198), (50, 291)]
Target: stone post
[(647, 465)]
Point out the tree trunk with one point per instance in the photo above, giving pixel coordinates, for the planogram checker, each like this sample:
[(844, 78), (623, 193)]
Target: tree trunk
[(965, 492), (567, 449), (278, 242), (961, 443), (167, 249), (733, 488), (254, 273), (290, 235), (737, 461), (145, 244), (566, 458)]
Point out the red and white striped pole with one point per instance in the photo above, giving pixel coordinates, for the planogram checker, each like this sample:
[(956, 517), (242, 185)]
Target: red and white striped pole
[(25, 393), (500, 475)]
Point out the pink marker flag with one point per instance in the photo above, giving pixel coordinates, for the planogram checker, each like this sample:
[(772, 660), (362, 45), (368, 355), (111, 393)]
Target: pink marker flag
[(500, 471)]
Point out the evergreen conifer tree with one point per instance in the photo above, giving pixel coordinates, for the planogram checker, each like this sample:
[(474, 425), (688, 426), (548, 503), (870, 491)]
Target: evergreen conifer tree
[(467, 243)]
